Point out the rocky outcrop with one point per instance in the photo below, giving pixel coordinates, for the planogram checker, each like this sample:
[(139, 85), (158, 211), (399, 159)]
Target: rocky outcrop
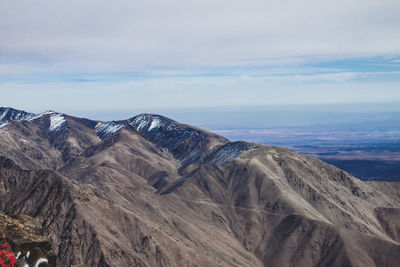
[(27, 243)]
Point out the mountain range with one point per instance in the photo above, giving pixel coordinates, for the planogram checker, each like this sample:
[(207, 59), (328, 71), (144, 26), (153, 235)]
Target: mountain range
[(149, 191)]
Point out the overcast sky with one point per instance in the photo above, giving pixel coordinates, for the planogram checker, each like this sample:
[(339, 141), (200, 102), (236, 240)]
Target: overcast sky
[(79, 55)]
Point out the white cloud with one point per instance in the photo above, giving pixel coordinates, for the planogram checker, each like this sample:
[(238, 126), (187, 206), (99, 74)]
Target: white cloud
[(95, 54), (99, 35)]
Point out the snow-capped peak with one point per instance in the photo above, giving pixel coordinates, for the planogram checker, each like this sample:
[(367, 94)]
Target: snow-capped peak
[(9, 114), (57, 120), (144, 120), (140, 122)]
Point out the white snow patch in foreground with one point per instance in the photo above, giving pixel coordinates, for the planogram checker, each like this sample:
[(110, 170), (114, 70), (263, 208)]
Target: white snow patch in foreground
[(57, 120), (41, 260)]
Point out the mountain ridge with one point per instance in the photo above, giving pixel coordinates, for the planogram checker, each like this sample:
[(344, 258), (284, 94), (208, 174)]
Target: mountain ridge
[(149, 191)]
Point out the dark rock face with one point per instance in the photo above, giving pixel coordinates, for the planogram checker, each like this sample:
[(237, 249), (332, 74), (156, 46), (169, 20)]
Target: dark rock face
[(149, 191), (184, 142), (8, 163), (27, 241)]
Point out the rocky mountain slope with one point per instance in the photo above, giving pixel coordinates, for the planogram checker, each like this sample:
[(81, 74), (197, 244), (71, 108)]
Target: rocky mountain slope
[(149, 191)]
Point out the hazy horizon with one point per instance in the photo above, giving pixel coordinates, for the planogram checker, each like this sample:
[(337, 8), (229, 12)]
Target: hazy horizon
[(176, 113)]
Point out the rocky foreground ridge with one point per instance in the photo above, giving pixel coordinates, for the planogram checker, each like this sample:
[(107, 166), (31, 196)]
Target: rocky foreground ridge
[(149, 191), (22, 240)]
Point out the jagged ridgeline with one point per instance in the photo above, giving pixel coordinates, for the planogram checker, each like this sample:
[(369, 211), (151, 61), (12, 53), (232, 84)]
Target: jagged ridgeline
[(149, 191)]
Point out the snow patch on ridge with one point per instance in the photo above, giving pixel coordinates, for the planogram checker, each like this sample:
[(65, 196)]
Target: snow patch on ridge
[(156, 122), (108, 128), (37, 116), (57, 120), (3, 115), (142, 121), (9, 114), (3, 125), (14, 114), (230, 151)]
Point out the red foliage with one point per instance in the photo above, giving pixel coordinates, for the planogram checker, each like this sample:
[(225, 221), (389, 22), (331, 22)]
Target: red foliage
[(7, 257)]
